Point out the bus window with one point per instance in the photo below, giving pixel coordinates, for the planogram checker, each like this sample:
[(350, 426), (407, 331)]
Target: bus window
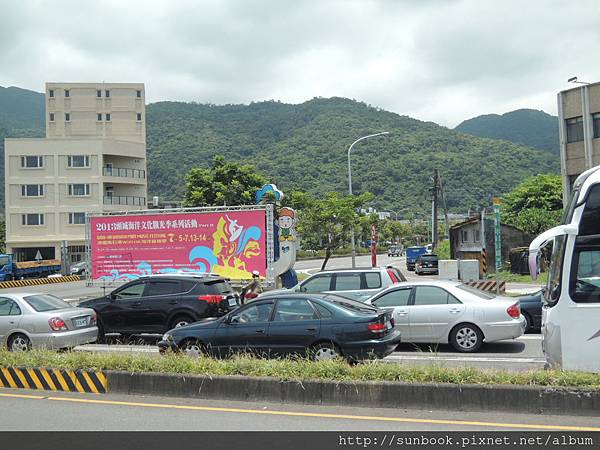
[(552, 293), (590, 220), (585, 270)]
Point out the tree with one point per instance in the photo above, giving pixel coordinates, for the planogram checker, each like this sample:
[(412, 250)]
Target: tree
[(535, 205), (225, 183), (325, 224)]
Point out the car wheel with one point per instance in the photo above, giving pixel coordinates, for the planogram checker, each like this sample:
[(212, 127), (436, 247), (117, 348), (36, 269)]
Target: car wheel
[(101, 336), (529, 320), (193, 348), (325, 351), (181, 321), (19, 343), (466, 338)]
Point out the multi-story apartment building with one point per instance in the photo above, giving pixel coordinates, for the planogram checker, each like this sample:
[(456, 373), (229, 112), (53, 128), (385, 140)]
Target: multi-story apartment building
[(93, 159), (579, 132)]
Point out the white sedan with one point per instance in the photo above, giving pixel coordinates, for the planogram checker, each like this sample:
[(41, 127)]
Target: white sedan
[(43, 321), (450, 312)]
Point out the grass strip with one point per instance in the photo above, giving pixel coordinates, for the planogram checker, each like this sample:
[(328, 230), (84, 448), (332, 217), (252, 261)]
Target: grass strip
[(296, 369)]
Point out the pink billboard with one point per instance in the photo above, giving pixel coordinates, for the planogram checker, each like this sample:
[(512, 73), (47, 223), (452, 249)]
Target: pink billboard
[(229, 243)]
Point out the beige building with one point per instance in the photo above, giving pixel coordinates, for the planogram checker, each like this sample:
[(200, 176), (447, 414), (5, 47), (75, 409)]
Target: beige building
[(579, 132), (93, 159)]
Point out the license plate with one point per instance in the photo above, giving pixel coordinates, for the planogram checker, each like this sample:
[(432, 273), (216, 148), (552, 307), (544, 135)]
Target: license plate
[(79, 323), (232, 302)]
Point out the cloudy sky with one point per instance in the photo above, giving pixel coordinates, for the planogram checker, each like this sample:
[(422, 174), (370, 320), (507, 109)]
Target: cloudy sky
[(438, 60)]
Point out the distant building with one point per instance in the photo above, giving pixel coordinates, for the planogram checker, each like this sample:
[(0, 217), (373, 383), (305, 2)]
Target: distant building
[(579, 132), (468, 240), (93, 159)]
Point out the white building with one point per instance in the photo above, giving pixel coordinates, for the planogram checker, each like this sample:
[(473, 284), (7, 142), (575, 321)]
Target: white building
[(93, 159)]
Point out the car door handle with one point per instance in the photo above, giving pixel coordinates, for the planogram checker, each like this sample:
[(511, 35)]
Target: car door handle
[(173, 302), (454, 311), (136, 304), (402, 313), (311, 329), (261, 331)]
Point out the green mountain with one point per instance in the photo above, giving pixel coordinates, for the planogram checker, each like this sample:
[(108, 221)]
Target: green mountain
[(21, 115), (305, 147), (529, 127)]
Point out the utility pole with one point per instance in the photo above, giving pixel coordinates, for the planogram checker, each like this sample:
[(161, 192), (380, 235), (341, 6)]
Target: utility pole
[(434, 222), (447, 234)]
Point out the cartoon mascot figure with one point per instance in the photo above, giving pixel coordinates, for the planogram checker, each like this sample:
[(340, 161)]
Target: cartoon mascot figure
[(287, 220)]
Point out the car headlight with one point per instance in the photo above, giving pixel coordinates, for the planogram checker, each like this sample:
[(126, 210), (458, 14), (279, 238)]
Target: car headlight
[(167, 337)]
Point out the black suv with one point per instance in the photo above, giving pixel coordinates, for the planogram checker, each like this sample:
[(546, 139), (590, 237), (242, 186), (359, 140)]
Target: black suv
[(155, 304)]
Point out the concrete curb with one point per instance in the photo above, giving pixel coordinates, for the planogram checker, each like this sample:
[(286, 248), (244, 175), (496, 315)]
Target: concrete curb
[(506, 398)]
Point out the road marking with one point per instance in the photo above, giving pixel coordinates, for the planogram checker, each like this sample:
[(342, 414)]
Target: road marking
[(36, 397), (460, 358), (530, 338), (322, 415)]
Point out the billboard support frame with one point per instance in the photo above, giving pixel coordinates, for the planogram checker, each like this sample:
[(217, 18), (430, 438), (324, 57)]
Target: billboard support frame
[(269, 229)]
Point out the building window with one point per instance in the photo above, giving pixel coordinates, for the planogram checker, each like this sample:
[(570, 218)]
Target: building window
[(79, 190), (32, 162), (32, 190), (51, 117), (67, 93), (51, 93), (107, 93), (464, 236), (77, 218), (78, 161), (32, 219), (596, 121), (67, 117), (139, 117), (98, 93), (476, 235), (108, 117), (575, 129), (99, 117), (138, 94)]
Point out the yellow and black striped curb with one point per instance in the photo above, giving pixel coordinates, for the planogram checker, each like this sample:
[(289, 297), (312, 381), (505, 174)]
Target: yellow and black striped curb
[(38, 281), (489, 286), (54, 379)]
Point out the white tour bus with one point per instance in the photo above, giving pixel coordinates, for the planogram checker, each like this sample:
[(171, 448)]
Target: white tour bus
[(571, 312)]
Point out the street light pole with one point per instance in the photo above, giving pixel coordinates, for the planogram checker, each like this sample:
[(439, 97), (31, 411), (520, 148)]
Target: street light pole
[(350, 188)]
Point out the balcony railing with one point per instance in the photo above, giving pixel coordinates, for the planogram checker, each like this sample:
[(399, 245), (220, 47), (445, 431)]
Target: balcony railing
[(124, 200), (122, 172)]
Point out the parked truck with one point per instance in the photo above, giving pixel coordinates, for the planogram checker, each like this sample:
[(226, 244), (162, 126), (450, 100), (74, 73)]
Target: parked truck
[(412, 253), (11, 270)]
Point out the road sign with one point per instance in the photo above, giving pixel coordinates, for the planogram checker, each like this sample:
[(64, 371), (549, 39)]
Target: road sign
[(38, 256)]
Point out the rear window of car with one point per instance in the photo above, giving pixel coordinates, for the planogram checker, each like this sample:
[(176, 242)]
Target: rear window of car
[(218, 287), (477, 292), (373, 280), (44, 302), (350, 305)]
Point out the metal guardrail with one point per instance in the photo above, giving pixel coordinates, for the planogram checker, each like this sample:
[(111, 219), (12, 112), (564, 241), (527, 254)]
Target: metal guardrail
[(124, 200), (38, 281), (123, 172)]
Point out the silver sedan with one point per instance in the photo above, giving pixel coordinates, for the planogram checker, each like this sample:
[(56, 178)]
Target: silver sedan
[(44, 321), (450, 312)]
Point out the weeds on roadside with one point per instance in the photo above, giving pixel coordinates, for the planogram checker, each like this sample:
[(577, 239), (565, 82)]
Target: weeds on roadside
[(300, 369)]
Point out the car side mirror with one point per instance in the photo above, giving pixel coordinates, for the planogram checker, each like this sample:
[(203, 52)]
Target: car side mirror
[(112, 297), (232, 320)]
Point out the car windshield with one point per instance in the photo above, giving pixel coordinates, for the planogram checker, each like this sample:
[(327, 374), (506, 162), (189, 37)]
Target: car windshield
[(45, 302), (349, 304), (477, 292), (429, 257)]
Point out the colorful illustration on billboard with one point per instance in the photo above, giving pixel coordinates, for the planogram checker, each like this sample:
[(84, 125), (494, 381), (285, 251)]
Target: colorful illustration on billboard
[(231, 244)]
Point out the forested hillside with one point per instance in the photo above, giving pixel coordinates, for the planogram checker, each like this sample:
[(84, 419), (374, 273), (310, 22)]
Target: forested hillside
[(21, 115), (305, 147), (529, 127)]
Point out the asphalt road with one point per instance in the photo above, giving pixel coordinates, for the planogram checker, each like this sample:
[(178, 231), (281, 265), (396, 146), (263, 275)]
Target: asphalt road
[(42, 411)]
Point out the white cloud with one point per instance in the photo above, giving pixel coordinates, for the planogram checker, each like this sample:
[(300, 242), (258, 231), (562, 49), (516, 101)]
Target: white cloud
[(434, 60)]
